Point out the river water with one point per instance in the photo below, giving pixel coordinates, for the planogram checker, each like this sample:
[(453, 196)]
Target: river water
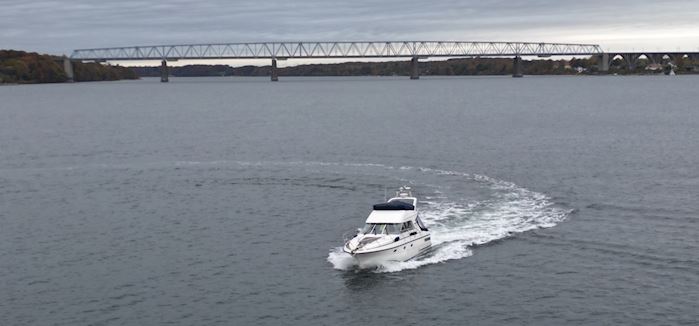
[(222, 201)]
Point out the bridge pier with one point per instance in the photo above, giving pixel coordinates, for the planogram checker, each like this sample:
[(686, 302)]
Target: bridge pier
[(68, 68), (632, 61), (678, 59), (164, 72), (414, 69), (273, 76), (693, 58), (517, 67), (674, 57), (603, 64)]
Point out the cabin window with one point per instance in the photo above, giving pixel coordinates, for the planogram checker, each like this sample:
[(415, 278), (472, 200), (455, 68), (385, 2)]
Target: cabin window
[(407, 226), (381, 228), (393, 228)]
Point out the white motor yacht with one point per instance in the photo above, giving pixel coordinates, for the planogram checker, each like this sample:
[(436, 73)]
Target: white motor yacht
[(393, 232)]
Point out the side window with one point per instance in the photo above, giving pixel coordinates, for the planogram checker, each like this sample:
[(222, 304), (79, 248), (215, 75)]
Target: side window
[(394, 228), (407, 226)]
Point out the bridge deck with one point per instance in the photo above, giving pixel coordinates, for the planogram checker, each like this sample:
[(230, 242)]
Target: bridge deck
[(372, 49)]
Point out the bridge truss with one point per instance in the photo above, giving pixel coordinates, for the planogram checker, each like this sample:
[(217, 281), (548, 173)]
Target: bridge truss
[(286, 50)]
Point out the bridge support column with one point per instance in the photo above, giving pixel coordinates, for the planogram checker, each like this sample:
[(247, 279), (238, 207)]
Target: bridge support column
[(693, 58), (679, 61), (693, 61), (68, 68), (274, 77), (632, 61), (414, 69), (164, 72), (603, 64), (517, 67)]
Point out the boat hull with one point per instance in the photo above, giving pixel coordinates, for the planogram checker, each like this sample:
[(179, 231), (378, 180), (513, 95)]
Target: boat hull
[(395, 253)]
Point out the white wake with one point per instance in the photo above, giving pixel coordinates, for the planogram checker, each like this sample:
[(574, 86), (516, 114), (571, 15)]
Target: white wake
[(458, 225)]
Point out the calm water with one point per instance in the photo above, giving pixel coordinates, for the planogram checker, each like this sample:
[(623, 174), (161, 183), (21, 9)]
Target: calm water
[(553, 201)]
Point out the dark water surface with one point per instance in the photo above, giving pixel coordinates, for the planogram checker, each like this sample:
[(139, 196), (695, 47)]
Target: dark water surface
[(553, 201)]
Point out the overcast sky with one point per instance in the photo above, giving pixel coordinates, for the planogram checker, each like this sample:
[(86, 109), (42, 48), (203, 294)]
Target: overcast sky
[(58, 26)]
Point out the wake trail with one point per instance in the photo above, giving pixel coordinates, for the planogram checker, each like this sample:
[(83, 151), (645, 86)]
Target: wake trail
[(458, 225)]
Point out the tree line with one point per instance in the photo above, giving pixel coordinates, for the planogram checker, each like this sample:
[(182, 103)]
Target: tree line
[(468, 66), (475, 66), (20, 67), (30, 67)]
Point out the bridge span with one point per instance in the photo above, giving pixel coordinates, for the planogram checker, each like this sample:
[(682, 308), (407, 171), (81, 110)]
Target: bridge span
[(630, 60), (414, 50)]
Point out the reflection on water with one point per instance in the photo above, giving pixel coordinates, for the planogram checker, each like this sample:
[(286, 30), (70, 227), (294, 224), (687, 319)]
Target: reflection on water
[(218, 200)]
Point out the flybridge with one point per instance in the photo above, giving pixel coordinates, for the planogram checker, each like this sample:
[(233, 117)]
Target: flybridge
[(395, 205)]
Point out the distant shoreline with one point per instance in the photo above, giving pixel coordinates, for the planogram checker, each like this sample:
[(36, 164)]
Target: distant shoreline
[(20, 67), (451, 67)]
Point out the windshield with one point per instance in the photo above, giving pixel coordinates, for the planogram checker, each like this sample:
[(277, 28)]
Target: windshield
[(381, 228)]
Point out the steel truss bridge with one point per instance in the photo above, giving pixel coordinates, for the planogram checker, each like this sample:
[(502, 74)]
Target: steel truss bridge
[(305, 50), (414, 50)]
